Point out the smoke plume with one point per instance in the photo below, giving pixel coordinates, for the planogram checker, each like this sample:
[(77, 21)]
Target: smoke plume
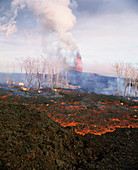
[(54, 15)]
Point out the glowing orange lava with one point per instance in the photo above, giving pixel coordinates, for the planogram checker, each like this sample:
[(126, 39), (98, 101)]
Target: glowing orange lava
[(98, 121), (78, 63), (3, 97), (89, 115)]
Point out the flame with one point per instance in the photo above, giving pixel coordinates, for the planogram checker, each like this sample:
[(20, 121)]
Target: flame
[(23, 88), (21, 84)]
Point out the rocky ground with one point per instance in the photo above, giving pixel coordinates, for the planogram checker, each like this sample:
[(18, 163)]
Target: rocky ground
[(30, 139)]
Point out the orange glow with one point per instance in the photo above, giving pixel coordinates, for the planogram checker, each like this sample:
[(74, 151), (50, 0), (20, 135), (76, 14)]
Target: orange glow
[(3, 97), (96, 121), (62, 103), (88, 116), (78, 63), (23, 88), (21, 84), (69, 124)]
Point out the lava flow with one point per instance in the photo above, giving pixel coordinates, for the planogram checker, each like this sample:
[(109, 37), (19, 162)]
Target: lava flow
[(87, 113), (94, 117), (3, 97)]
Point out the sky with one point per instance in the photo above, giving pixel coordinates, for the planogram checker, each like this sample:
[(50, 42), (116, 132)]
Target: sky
[(104, 31)]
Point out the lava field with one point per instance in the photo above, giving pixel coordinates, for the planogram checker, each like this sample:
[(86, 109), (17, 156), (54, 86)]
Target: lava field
[(63, 129)]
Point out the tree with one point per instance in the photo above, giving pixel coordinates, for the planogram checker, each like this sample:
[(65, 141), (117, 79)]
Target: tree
[(38, 72), (28, 64), (52, 70), (131, 79), (126, 75), (43, 67), (119, 71)]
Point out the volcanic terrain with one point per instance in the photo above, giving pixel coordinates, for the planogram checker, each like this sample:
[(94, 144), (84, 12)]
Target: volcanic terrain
[(60, 129)]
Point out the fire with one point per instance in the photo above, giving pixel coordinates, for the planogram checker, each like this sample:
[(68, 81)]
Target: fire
[(21, 84), (23, 88)]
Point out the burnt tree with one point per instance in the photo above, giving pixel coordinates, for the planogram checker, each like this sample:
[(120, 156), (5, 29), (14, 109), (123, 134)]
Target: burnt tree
[(133, 83)]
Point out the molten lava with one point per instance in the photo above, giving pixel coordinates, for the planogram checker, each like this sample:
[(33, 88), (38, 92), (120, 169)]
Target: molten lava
[(3, 97), (78, 63), (96, 121), (95, 118), (87, 113)]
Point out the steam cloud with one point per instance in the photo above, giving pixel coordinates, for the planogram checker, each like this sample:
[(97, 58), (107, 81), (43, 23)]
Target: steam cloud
[(55, 16)]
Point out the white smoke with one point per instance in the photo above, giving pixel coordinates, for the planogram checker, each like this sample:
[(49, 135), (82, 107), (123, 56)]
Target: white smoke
[(55, 16)]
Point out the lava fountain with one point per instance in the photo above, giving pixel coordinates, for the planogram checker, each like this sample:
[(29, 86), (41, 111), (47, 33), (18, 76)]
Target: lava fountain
[(78, 62)]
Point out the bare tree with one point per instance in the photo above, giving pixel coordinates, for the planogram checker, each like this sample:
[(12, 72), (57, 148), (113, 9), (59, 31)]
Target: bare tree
[(50, 71), (38, 72), (119, 71), (28, 64), (131, 80), (126, 76), (66, 69), (43, 67)]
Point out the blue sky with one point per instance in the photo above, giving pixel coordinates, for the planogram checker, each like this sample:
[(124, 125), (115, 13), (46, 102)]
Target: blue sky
[(106, 32)]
